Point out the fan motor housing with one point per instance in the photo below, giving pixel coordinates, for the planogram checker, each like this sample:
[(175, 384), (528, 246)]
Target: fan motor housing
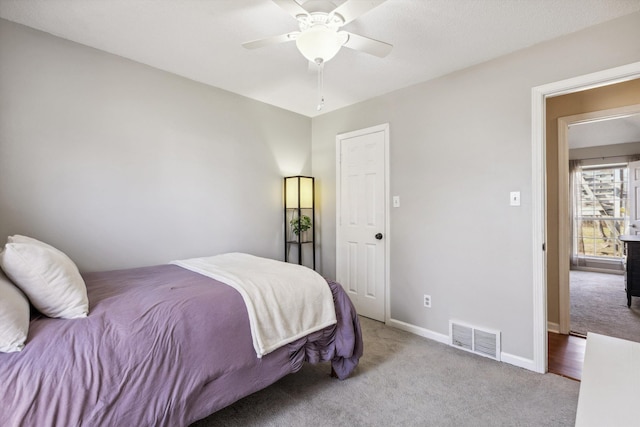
[(332, 21)]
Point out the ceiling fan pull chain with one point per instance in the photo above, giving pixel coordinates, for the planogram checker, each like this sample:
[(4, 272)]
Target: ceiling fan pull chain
[(320, 84)]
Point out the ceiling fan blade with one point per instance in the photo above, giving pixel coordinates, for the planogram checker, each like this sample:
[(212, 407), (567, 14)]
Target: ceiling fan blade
[(291, 7), (365, 44), (271, 40), (351, 9)]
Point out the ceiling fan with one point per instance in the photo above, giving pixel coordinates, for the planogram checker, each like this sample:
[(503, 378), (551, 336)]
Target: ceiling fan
[(319, 38)]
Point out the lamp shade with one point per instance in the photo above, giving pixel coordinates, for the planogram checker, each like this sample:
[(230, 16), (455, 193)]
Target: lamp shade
[(298, 192), (319, 43)]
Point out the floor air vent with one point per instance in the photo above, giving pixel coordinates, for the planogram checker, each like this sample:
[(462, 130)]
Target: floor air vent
[(480, 341)]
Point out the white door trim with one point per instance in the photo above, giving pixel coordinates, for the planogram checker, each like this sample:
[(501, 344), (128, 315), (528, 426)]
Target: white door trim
[(538, 143), (387, 237), (564, 211)]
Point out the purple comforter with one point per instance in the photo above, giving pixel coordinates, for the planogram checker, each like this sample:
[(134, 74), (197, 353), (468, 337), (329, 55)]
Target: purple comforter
[(162, 346)]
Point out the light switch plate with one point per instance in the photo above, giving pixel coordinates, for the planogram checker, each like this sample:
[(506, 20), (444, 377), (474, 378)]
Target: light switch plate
[(514, 198), (396, 201)]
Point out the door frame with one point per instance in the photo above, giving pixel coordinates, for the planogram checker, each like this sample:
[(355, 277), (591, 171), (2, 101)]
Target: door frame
[(387, 232), (564, 210), (539, 193)]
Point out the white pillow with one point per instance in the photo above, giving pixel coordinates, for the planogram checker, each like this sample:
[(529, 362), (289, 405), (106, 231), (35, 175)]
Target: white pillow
[(14, 316), (24, 239), (47, 276)]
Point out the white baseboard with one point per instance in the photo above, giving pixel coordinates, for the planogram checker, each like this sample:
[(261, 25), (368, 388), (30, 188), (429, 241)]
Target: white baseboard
[(553, 327), (518, 361), (598, 270), (419, 331)]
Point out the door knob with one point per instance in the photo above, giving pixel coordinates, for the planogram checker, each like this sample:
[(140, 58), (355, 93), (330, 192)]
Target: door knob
[(633, 226), (379, 236)]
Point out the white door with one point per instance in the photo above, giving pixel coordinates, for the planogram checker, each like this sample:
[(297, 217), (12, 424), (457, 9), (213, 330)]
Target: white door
[(634, 198), (361, 245)]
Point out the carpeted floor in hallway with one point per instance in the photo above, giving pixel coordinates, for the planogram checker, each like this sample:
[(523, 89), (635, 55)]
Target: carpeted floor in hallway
[(599, 304)]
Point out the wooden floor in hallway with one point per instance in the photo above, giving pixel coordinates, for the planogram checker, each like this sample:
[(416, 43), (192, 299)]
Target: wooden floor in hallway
[(566, 355)]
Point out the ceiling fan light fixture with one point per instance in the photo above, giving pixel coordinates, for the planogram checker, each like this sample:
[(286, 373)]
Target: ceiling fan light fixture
[(319, 43)]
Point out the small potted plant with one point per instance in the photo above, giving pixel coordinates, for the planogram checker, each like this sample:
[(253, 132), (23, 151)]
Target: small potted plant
[(300, 225)]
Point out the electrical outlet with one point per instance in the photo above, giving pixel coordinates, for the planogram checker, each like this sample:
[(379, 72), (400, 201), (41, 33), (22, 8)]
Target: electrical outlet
[(427, 301)]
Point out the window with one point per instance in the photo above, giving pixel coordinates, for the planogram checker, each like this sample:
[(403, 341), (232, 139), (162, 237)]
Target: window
[(600, 206)]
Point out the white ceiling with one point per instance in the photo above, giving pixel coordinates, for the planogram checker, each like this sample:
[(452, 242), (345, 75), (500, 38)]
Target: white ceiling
[(620, 130), (201, 40)]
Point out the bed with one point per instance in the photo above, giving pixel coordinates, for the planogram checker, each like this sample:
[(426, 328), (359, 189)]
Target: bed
[(160, 346)]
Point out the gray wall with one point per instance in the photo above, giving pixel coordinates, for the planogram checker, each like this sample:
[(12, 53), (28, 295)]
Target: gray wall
[(458, 145), (119, 164)]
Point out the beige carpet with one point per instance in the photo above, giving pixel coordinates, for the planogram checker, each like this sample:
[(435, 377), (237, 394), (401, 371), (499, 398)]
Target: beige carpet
[(406, 380), (599, 304)]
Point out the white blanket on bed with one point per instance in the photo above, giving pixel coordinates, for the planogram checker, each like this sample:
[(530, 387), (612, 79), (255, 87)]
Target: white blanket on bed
[(284, 301)]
